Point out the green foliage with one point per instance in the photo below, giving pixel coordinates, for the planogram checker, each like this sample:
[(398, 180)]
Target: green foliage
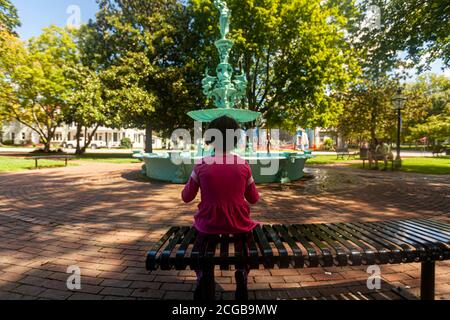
[(148, 80), (368, 111), (126, 143), (9, 19), (427, 111), (328, 144), (8, 142), (295, 57), (421, 27), (34, 86)]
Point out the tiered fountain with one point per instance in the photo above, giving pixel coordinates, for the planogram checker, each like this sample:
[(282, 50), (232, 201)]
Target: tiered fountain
[(176, 167)]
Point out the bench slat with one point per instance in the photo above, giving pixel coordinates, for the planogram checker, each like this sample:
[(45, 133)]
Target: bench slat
[(431, 236), (408, 253), (395, 254), (369, 254), (181, 257), (313, 259), (264, 246), (224, 248), (420, 248), (297, 260), (167, 251), (327, 257), (341, 255), (282, 252), (151, 261), (427, 230), (355, 254), (436, 225), (429, 244)]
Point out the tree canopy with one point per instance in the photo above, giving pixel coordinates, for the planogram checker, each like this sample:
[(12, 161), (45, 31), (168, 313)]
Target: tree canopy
[(35, 87), (9, 19)]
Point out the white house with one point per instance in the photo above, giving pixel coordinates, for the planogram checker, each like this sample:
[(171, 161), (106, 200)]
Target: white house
[(20, 134)]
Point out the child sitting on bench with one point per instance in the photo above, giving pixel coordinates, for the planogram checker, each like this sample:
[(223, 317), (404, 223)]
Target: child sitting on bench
[(227, 188)]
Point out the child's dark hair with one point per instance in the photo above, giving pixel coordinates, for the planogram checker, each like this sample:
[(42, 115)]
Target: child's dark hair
[(223, 124)]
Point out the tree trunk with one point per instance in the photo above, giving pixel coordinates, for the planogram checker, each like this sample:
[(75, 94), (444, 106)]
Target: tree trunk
[(48, 141), (47, 146), (268, 140), (148, 137), (88, 139), (77, 137)]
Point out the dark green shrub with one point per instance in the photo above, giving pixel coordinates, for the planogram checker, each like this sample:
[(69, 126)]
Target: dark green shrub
[(126, 143)]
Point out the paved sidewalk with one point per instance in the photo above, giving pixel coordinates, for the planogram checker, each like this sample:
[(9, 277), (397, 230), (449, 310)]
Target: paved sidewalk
[(103, 218)]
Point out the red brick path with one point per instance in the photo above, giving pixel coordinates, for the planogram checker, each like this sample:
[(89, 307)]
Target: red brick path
[(103, 217)]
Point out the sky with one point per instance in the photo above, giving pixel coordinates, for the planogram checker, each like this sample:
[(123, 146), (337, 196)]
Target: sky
[(38, 14)]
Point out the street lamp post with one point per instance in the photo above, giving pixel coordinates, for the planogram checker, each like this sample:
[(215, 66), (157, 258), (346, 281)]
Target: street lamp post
[(398, 101)]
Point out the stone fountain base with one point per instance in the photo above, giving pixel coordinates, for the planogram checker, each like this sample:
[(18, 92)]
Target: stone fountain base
[(266, 168)]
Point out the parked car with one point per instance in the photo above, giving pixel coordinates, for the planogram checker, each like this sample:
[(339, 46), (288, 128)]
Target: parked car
[(95, 144)]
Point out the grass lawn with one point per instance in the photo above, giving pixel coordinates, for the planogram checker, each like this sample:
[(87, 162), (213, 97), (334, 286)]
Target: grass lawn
[(425, 165), (8, 164), (119, 158), (20, 163), (326, 159)]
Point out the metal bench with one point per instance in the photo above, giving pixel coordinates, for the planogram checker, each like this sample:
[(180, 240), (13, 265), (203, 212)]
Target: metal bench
[(345, 152), (364, 156), (64, 158), (311, 245)]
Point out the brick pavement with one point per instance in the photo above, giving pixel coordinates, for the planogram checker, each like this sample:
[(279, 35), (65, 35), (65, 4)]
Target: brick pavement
[(103, 217)]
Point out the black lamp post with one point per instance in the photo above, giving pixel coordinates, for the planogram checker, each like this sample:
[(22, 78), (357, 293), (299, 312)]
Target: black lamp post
[(399, 101)]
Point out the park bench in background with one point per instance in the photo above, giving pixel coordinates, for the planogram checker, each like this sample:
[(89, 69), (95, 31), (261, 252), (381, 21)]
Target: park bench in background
[(60, 157), (364, 156), (437, 150), (311, 245), (345, 152)]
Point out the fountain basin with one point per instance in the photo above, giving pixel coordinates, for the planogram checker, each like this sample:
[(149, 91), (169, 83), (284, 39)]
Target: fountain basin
[(266, 168)]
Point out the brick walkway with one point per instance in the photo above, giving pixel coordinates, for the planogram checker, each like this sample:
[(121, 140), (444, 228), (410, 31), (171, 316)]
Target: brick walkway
[(103, 217)]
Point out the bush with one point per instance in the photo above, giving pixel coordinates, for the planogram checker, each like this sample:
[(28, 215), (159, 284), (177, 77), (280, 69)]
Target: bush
[(54, 151), (8, 142), (126, 143), (328, 144)]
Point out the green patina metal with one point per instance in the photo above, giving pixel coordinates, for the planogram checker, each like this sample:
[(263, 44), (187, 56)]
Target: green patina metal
[(226, 90), (223, 88)]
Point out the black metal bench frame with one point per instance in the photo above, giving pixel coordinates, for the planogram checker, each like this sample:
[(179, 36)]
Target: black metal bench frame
[(65, 158), (312, 245)]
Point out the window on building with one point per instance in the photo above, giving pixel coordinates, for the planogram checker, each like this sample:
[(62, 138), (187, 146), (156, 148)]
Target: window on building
[(13, 136), (23, 136), (115, 137)]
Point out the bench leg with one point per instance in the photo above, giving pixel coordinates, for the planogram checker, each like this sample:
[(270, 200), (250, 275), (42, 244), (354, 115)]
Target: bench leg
[(427, 280)]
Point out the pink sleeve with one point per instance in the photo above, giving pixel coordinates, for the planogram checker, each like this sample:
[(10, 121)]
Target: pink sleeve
[(251, 193), (191, 189)]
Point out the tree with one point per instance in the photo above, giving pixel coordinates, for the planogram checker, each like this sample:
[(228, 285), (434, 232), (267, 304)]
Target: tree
[(421, 27), (9, 19), (368, 112), (32, 76), (85, 104), (427, 110), (151, 39), (294, 54)]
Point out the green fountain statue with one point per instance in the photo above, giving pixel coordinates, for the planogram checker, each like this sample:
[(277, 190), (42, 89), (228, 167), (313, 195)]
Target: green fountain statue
[(225, 90)]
